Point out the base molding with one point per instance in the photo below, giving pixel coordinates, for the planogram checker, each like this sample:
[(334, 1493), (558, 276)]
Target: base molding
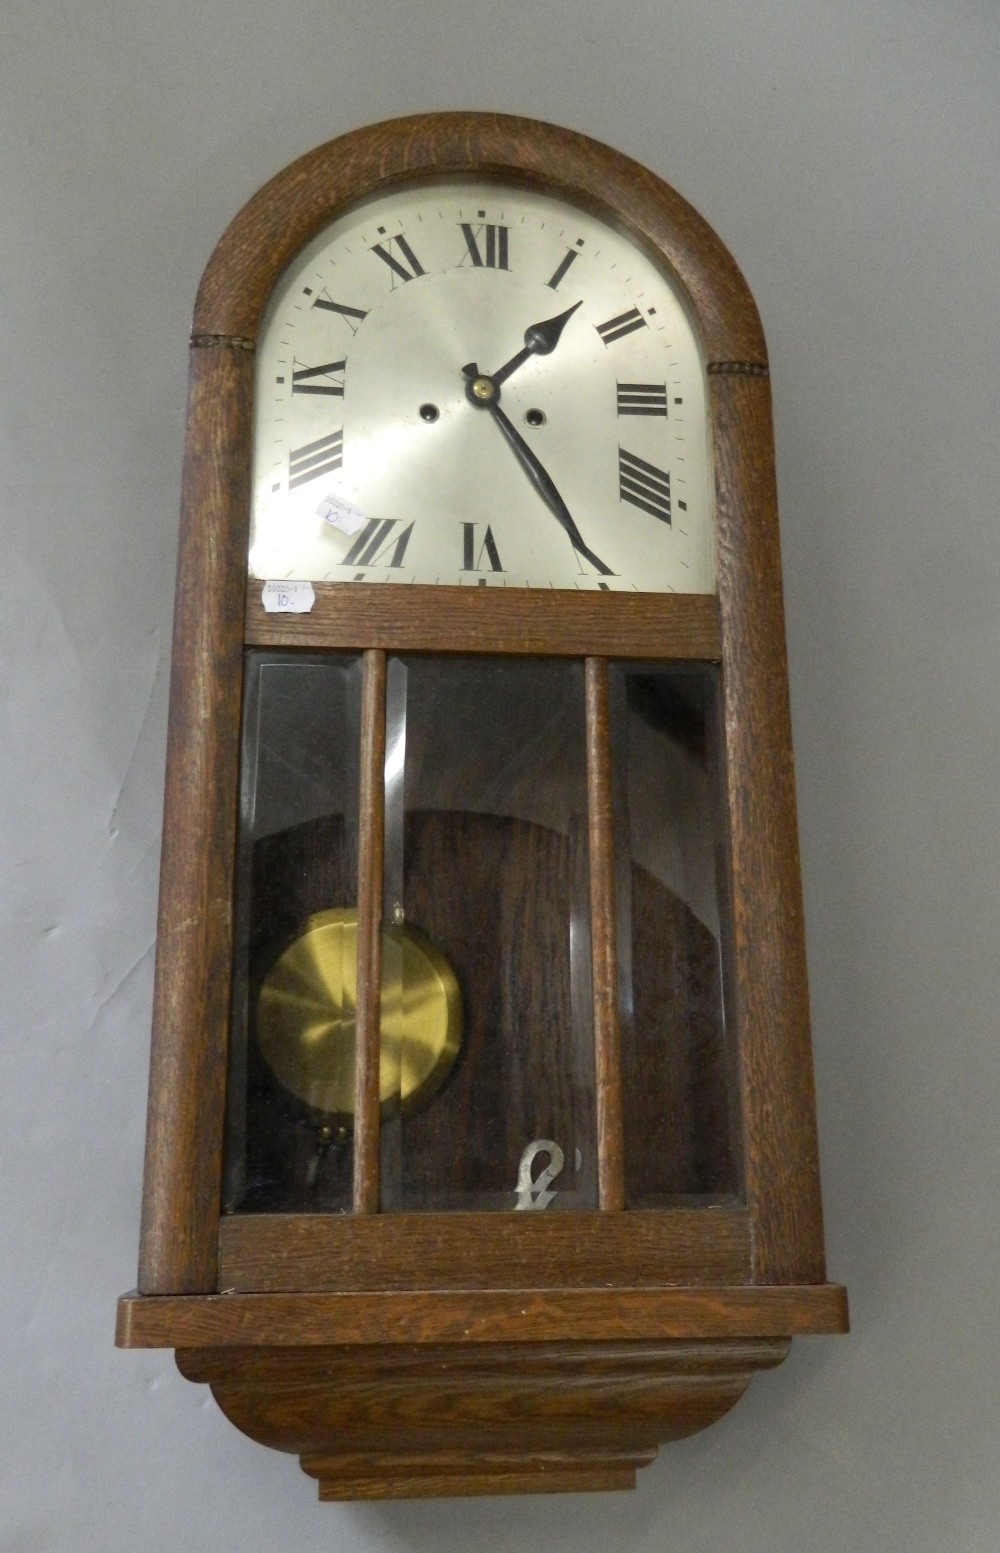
[(391, 1421), (450, 1474), (481, 1391)]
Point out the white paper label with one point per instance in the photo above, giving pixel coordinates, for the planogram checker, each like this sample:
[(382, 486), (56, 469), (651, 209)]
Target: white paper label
[(288, 598), (341, 513)]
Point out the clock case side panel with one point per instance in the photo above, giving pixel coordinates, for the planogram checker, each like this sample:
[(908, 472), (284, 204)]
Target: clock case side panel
[(768, 955), (183, 1171)]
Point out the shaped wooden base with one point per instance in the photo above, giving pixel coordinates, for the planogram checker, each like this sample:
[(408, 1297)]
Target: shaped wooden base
[(391, 1422), (478, 1392)]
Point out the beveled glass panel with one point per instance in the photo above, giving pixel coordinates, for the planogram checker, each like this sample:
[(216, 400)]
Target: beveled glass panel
[(289, 1142), (678, 1074), (487, 952)]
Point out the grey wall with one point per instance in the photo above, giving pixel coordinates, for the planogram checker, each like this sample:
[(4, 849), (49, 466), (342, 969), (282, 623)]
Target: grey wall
[(848, 155)]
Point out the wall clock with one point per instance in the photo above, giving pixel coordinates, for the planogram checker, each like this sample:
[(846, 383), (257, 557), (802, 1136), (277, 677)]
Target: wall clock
[(481, 1152)]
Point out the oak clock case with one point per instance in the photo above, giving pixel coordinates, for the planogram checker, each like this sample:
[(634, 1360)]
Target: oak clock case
[(481, 1151)]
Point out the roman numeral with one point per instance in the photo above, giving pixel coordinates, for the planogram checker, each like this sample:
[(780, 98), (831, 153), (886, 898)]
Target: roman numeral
[(642, 398), (644, 485), (571, 254), (617, 328), (348, 313), (495, 255), (315, 459), (470, 561), (305, 380), (375, 540), (408, 267)]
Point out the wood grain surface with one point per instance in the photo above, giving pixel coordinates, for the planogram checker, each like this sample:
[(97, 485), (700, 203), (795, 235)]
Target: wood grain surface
[(182, 1182), (268, 1253), (487, 1316), (771, 991), (492, 1419), (381, 1422), (518, 621)]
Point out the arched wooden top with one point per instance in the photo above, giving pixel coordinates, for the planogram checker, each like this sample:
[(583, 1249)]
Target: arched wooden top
[(276, 223)]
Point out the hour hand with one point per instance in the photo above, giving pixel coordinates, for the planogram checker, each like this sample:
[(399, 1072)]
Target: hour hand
[(540, 339)]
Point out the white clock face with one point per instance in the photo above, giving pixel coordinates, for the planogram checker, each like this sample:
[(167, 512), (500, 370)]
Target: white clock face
[(475, 384)]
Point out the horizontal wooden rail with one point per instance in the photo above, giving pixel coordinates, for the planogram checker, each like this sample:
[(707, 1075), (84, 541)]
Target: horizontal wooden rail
[(316, 1251), (354, 616), (450, 1316)]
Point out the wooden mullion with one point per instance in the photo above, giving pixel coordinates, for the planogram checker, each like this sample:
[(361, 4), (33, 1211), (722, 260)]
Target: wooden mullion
[(371, 851), (604, 942)]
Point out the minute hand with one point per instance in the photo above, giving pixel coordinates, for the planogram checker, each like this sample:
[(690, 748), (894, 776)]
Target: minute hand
[(545, 486)]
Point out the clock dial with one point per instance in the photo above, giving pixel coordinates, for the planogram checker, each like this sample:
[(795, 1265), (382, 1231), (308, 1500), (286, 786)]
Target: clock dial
[(475, 384)]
